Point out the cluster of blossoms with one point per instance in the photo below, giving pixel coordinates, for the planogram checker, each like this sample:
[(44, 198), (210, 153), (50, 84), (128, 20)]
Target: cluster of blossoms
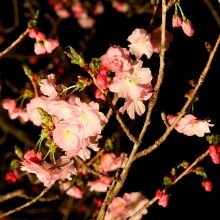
[(131, 81), (48, 173), (183, 22), (189, 125), (108, 162), (78, 11), (124, 207), (42, 44)]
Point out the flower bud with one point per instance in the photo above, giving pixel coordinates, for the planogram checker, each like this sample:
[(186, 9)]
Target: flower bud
[(159, 194), (207, 184), (187, 27), (176, 21), (164, 201)]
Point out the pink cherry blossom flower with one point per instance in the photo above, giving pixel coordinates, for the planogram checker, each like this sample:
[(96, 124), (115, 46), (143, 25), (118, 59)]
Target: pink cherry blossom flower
[(99, 185), (33, 33), (40, 36), (117, 205), (77, 9), (50, 45), (84, 153), (140, 43), (61, 109), (131, 84), (156, 39), (48, 173), (99, 95), (134, 201), (39, 48), (103, 70), (32, 111), (190, 125), (90, 117), (176, 21), (69, 136), (48, 86), (116, 59), (85, 21), (187, 27), (163, 200), (120, 7), (73, 191), (109, 161), (102, 81), (61, 11), (9, 104), (98, 8), (32, 156)]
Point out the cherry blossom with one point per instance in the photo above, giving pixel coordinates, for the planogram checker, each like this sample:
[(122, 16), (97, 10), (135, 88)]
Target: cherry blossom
[(39, 48), (32, 111), (86, 21), (116, 59), (50, 45), (190, 125), (120, 6), (69, 136), (100, 185), (131, 84), (48, 173), (61, 11), (134, 201), (140, 43), (72, 191)]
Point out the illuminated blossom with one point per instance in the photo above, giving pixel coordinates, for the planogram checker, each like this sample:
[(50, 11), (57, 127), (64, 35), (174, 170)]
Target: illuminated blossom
[(32, 111), (190, 125), (72, 191), (48, 173), (140, 43), (100, 185), (187, 27), (116, 59), (131, 84), (50, 45)]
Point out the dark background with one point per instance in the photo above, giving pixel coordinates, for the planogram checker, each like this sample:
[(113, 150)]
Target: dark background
[(185, 60)]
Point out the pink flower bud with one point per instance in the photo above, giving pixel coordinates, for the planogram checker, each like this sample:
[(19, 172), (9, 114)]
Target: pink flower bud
[(50, 45), (164, 201), (159, 194), (10, 177), (33, 33), (39, 48), (98, 202), (102, 81), (176, 21), (207, 185), (216, 159), (32, 156), (212, 151), (103, 70), (187, 28), (40, 36)]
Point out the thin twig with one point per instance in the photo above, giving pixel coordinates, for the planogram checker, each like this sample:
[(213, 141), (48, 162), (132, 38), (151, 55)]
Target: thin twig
[(182, 112), (15, 42), (26, 204), (16, 18), (198, 159), (90, 170), (21, 193), (154, 14), (214, 13)]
